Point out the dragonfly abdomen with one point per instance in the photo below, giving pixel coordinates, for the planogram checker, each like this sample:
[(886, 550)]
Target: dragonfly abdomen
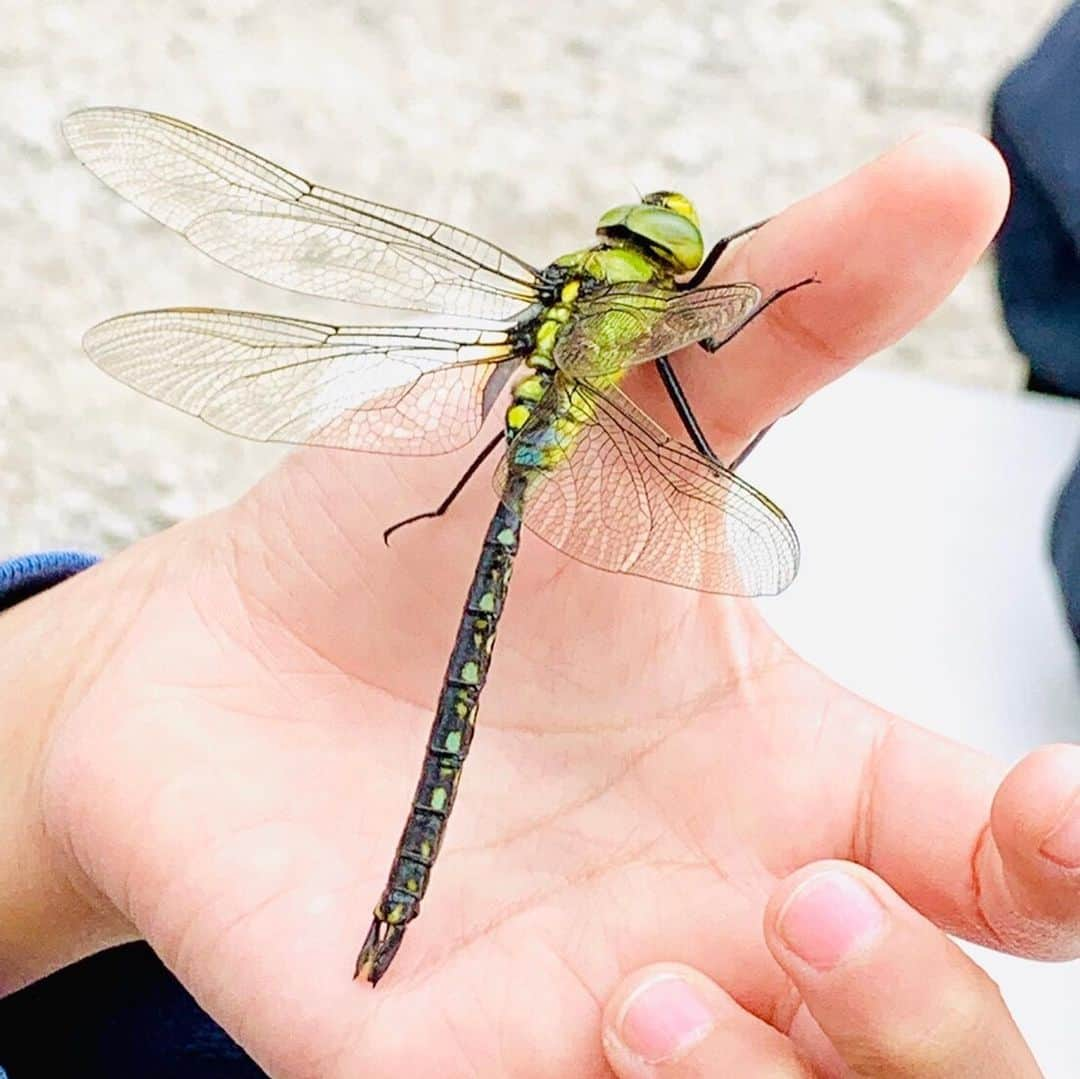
[(451, 737)]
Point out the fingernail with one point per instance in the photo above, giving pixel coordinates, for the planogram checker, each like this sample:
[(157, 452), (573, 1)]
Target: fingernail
[(1062, 845), (830, 917), (663, 1019)]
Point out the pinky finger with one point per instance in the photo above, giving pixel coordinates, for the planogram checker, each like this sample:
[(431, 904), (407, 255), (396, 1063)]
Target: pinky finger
[(669, 1021)]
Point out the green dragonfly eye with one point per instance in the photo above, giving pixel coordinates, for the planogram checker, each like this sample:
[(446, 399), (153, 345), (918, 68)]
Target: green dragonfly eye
[(665, 222)]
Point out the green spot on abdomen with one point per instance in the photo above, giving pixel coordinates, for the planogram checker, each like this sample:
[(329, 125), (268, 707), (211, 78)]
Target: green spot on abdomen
[(487, 602), (470, 672), (453, 742), (506, 537), (438, 799)]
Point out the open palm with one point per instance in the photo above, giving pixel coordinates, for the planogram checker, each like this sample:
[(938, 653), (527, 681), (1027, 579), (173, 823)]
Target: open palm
[(232, 766)]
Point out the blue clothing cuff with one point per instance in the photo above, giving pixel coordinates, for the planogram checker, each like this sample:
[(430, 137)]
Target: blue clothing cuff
[(29, 574)]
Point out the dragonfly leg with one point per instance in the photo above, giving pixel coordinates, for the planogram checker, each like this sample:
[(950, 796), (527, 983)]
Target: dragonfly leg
[(678, 394), (753, 443), (711, 344), (682, 407), (448, 501), (716, 251)]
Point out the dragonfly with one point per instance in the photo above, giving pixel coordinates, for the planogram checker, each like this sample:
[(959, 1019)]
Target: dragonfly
[(583, 467)]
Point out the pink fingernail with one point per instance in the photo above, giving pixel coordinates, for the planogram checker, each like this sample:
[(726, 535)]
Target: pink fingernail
[(663, 1019), (829, 917)]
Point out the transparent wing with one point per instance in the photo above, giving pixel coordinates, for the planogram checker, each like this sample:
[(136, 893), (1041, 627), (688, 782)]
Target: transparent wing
[(625, 496), (384, 389), (618, 325), (266, 221)]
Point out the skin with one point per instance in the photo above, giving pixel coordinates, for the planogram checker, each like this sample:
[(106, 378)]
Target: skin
[(219, 752)]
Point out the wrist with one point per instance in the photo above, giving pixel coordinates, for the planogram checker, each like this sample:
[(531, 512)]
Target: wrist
[(50, 912)]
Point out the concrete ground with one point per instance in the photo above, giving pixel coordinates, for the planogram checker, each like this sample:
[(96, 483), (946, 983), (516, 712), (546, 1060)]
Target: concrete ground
[(518, 121)]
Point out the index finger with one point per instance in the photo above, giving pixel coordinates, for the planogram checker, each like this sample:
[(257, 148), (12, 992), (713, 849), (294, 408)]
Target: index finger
[(887, 243)]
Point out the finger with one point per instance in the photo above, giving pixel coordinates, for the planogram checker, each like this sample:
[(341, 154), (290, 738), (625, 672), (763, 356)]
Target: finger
[(890, 991), (888, 244), (669, 1021), (1029, 865), (994, 858)]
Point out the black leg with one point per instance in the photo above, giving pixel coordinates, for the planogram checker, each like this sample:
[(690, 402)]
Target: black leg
[(718, 249), (663, 364), (752, 445), (711, 344), (678, 394), (682, 407), (448, 501)]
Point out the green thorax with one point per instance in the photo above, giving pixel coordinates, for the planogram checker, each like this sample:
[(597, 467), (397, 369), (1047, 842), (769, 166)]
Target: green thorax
[(614, 265), (650, 241)]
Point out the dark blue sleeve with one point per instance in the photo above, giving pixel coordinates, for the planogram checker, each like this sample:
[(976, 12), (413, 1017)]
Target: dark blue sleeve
[(119, 1014), (30, 573), (1036, 126)]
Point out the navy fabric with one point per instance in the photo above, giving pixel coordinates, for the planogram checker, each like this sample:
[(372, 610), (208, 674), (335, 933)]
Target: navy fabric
[(22, 577), (1036, 125), (1065, 548), (119, 1014)]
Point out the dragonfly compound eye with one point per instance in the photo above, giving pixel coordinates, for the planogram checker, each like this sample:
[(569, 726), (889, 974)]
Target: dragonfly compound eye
[(667, 233)]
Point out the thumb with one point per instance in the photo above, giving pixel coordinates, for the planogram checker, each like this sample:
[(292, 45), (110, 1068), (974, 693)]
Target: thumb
[(669, 1021)]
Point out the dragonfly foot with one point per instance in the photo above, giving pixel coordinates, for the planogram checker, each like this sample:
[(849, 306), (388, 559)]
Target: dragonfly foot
[(380, 947)]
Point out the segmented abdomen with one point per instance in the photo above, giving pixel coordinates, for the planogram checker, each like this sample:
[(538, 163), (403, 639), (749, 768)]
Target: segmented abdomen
[(455, 715)]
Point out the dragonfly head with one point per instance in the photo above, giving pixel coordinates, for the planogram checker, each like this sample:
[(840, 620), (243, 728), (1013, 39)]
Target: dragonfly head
[(665, 224)]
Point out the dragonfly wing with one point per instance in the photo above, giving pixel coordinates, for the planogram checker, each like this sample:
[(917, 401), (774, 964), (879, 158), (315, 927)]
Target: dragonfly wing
[(625, 496), (266, 221), (620, 325), (383, 389)]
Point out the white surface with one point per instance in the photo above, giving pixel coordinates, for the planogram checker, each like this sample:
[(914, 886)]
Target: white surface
[(926, 586)]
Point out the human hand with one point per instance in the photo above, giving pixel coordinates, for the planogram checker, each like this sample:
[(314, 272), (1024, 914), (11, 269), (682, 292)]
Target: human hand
[(227, 769), (874, 989)]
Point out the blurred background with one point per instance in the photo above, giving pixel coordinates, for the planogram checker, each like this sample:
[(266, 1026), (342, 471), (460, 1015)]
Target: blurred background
[(926, 579), (517, 122)]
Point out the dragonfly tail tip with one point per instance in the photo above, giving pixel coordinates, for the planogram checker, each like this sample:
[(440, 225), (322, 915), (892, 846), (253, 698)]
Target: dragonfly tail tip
[(380, 947)]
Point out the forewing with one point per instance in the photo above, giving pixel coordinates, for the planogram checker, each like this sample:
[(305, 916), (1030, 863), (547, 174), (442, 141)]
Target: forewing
[(620, 325), (627, 497), (266, 221), (383, 389)]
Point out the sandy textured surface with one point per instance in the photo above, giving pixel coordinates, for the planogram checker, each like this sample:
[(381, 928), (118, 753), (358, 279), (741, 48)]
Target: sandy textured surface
[(521, 122)]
